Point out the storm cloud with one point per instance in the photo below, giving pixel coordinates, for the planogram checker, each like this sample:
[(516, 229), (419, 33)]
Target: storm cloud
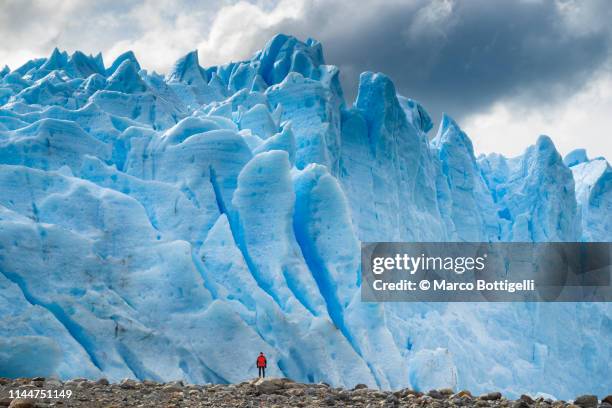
[(461, 57)]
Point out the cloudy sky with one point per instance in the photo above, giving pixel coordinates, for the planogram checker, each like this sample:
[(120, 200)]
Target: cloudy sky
[(507, 71)]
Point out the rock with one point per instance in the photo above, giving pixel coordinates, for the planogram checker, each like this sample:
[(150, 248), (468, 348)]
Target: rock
[(607, 399), (359, 387), (5, 402), (296, 392), (127, 384), (84, 384), (269, 386), (435, 394), (38, 381), (527, 399), (463, 394), (289, 383), (586, 401), (53, 383), (23, 403), (172, 388), (392, 399), (492, 396), (344, 395), (178, 383), (460, 401), (447, 391), (329, 400), (102, 381), (378, 394), (520, 404)]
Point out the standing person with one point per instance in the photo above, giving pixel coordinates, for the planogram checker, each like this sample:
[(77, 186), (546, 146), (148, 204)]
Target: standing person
[(262, 363)]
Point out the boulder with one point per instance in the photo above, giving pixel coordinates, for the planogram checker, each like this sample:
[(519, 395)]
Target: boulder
[(270, 385), (435, 394), (492, 396), (520, 404), (463, 393), (23, 403), (127, 384), (586, 401)]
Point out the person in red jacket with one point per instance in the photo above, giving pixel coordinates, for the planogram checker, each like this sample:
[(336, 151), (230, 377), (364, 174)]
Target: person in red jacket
[(262, 363)]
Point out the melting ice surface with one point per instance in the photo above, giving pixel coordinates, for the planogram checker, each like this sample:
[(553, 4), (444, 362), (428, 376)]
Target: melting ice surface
[(166, 227)]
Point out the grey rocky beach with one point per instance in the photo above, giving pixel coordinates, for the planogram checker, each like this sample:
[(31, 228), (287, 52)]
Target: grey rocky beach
[(273, 392)]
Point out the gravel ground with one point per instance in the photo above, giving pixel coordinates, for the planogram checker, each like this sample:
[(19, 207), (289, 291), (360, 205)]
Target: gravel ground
[(274, 392)]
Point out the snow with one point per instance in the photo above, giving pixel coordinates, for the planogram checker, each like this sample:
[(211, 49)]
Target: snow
[(172, 227)]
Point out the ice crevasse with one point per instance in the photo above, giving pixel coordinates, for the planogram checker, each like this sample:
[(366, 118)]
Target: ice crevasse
[(172, 227)]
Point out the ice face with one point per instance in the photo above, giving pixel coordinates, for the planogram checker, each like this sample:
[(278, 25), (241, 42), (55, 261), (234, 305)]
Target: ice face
[(388, 170), (517, 186), (172, 227), (593, 192), (575, 157), (472, 208)]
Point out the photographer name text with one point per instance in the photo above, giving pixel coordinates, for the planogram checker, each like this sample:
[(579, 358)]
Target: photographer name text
[(442, 285)]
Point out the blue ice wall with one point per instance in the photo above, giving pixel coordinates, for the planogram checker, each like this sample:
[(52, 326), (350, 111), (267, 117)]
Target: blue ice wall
[(172, 227)]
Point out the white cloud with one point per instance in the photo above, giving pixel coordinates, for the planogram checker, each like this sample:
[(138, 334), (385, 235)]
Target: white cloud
[(158, 31), (581, 121), (160, 40), (23, 34), (239, 29)]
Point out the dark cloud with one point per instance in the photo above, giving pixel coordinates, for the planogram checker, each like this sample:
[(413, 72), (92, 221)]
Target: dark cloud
[(453, 56), (461, 57)]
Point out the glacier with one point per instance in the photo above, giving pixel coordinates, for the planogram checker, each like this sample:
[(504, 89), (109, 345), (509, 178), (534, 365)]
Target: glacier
[(173, 226)]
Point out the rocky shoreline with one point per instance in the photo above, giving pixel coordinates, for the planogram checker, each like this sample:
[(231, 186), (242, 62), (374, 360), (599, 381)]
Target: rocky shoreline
[(273, 392)]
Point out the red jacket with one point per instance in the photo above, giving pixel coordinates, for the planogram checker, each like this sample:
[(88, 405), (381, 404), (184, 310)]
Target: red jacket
[(261, 361)]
